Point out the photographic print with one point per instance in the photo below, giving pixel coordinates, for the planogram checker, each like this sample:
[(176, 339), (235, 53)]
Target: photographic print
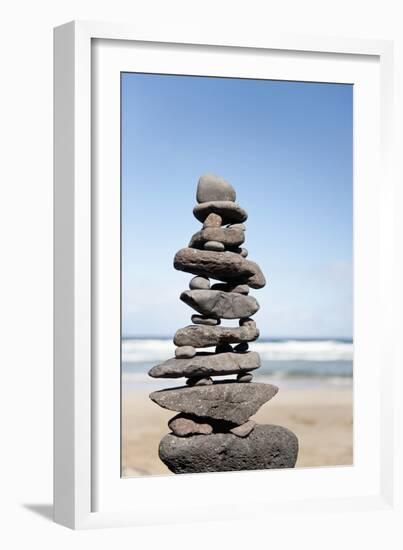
[(236, 274)]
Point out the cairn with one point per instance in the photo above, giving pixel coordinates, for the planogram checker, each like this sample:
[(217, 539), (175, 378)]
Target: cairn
[(213, 431)]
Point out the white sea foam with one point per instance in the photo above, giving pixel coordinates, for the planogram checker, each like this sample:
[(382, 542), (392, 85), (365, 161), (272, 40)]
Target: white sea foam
[(150, 350)]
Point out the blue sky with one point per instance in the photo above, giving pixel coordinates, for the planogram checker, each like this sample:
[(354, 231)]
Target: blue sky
[(286, 147)]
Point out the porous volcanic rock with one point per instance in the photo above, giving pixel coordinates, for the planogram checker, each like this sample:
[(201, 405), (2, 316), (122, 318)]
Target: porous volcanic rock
[(266, 447)]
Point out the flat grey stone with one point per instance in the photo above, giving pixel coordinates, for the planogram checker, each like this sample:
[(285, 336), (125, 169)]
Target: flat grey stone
[(228, 236), (244, 429), (206, 364), (202, 320), (199, 283), (266, 447), (222, 401), (183, 425), (185, 352), (222, 305), (214, 245), (224, 266), (203, 336), (214, 188), (229, 211)]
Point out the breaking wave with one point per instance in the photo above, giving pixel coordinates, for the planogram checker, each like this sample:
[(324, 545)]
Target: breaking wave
[(139, 350)]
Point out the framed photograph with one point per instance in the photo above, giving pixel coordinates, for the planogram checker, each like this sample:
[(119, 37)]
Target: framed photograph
[(223, 276)]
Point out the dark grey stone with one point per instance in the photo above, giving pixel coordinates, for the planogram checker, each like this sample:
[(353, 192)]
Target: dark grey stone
[(266, 447), (199, 283), (243, 346), (203, 336), (214, 245), (222, 305), (225, 235), (227, 210), (224, 266), (202, 320), (222, 401), (206, 364), (224, 348), (214, 188)]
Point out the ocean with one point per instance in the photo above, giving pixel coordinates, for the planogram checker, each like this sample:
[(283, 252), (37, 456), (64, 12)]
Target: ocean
[(291, 362)]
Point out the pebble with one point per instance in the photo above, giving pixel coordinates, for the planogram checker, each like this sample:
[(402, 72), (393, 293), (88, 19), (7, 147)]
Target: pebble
[(247, 377), (213, 220), (244, 429), (185, 425), (202, 320), (214, 245), (199, 283), (223, 348), (199, 381), (244, 252), (185, 352), (242, 347)]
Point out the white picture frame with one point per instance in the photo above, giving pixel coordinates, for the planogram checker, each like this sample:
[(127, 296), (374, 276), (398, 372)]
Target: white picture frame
[(88, 490)]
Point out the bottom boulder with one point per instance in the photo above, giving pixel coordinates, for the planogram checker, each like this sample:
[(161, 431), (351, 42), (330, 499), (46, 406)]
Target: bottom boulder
[(266, 447)]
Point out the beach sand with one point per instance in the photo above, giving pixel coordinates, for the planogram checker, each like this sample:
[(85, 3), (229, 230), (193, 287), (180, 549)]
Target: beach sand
[(321, 417)]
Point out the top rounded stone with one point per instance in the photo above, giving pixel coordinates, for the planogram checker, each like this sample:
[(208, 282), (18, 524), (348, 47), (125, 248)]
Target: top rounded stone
[(213, 188)]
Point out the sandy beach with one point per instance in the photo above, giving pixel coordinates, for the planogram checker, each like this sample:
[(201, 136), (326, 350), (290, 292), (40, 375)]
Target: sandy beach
[(321, 417)]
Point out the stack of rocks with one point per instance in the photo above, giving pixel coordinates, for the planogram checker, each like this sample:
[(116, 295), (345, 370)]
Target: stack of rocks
[(213, 430)]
